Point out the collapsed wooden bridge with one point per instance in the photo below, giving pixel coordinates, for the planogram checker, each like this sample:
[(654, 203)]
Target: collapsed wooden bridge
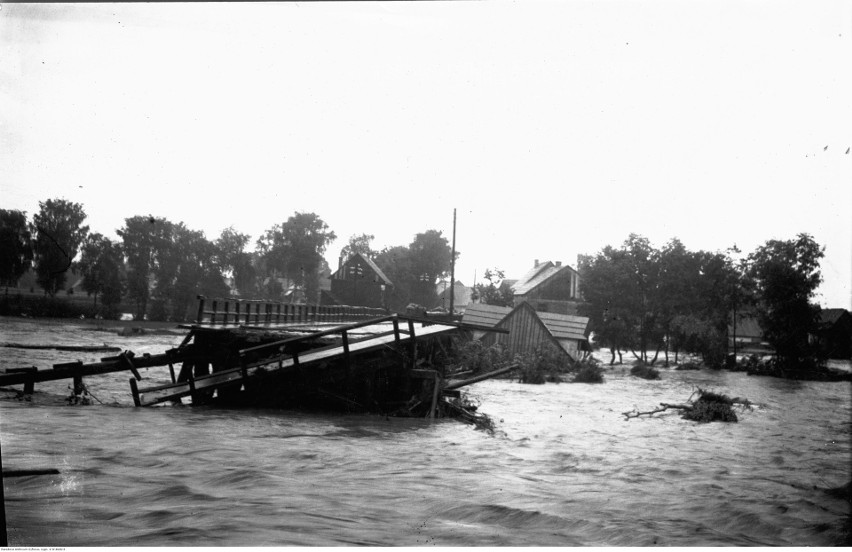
[(253, 353)]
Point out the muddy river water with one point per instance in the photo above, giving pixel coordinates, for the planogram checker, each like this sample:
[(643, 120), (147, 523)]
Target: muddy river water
[(563, 467)]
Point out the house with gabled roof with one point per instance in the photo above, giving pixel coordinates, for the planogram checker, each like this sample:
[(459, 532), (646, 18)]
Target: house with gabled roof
[(358, 281), (462, 295), (835, 333), (549, 287), (530, 329)]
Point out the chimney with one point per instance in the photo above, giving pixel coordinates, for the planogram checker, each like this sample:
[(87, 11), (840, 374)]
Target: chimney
[(558, 264), (536, 264)]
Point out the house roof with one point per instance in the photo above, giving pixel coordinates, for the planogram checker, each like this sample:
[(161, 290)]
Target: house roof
[(565, 326), (537, 276), (461, 296), (748, 327), (485, 315), (367, 261), (830, 316), (560, 326)]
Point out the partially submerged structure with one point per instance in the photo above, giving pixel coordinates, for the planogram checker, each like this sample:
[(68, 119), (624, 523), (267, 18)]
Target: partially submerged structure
[(528, 329), (747, 335), (291, 356)]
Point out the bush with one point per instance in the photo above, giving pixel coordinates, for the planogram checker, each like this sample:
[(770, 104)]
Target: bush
[(711, 407), (644, 371), (474, 356), (689, 366), (545, 364), (589, 373)]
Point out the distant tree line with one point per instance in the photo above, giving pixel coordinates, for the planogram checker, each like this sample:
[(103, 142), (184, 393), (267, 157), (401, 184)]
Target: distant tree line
[(645, 300), (159, 266)]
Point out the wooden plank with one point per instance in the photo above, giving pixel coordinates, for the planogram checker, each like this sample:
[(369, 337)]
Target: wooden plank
[(457, 384)]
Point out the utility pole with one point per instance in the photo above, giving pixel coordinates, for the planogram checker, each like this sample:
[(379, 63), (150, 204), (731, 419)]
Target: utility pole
[(453, 269)]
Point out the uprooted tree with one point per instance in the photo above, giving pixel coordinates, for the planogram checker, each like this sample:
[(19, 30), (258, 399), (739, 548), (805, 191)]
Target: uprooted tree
[(701, 406)]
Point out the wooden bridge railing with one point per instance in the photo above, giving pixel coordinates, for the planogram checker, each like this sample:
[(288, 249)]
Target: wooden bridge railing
[(249, 312)]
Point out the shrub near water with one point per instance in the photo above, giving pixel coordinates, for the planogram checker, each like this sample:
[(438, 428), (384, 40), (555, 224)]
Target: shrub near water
[(587, 371), (644, 371), (545, 364)]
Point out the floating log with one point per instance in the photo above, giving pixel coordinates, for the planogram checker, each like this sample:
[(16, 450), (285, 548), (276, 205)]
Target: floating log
[(78, 348), (25, 473)]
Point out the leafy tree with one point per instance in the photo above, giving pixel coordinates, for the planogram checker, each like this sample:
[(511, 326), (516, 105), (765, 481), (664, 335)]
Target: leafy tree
[(603, 298), (359, 243), (496, 291), (786, 274), (396, 264), (295, 248), (101, 265), (59, 231), (143, 239), (186, 267), (233, 258), (430, 255), (16, 249)]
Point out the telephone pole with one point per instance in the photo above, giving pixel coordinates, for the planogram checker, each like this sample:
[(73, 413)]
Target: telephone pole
[(453, 269)]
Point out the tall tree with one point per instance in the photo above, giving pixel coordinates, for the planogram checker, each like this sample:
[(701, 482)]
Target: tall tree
[(16, 248), (604, 298), (234, 259), (431, 256), (143, 239), (359, 243), (101, 265), (786, 274), (395, 263), (59, 231), (295, 248), (496, 291)]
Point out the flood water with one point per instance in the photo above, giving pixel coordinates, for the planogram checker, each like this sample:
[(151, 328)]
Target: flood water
[(564, 467)]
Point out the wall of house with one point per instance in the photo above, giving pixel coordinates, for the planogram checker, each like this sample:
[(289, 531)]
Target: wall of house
[(526, 333), (571, 346)]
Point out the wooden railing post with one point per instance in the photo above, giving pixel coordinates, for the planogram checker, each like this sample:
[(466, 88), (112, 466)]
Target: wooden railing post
[(200, 316), (346, 361), (237, 312), (227, 311), (413, 346), (257, 313), (135, 390), (278, 313), (213, 315), (396, 331)]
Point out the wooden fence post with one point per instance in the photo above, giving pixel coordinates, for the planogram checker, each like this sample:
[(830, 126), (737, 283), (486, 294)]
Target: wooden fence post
[(200, 316)]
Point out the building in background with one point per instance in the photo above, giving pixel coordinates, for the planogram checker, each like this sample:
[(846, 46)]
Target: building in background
[(357, 282), (549, 287)]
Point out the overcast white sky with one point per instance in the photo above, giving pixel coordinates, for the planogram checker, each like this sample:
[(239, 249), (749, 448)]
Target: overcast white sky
[(555, 128)]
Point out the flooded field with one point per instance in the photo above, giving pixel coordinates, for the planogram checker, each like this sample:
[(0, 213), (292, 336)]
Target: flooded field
[(563, 467)]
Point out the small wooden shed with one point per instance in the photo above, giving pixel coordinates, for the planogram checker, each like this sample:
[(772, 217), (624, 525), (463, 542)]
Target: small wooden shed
[(529, 329)]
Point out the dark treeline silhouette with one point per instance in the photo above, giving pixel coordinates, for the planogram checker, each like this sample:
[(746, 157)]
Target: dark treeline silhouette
[(158, 266), (645, 300)]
